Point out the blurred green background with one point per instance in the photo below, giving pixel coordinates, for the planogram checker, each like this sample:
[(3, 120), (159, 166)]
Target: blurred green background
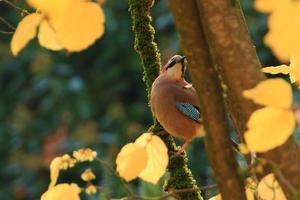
[(52, 103)]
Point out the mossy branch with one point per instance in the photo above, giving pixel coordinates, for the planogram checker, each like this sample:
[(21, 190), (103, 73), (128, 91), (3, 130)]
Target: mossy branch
[(180, 175), (144, 40), (234, 53)]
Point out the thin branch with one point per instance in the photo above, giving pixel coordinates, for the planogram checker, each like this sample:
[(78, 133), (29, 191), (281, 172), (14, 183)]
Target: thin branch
[(7, 23), (169, 194), (6, 32), (16, 7), (284, 180), (276, 170), (163, 196), (102, 190)]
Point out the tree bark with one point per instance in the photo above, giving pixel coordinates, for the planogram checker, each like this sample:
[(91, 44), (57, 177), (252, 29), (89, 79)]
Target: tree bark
[(235, 55), (208, 86)]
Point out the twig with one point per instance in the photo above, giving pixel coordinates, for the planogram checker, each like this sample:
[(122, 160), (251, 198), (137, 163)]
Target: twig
[(171, 193), (138, 197), (282, 179), (279, 175), (102, 190), (208, 187), (15, 7), (7, 23), (6, 32)]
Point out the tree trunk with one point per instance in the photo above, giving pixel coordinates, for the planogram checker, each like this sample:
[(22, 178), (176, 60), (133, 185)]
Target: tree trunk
[(239, 67), (208, 86)]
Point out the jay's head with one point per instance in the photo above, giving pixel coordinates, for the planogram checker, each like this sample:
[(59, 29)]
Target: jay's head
[(175, 67)]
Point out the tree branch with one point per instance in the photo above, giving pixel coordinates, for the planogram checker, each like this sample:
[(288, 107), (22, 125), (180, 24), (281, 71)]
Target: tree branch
[(233, 51), (180, 175), (6, 32), (167, 195), (208, 86), (7, 23)]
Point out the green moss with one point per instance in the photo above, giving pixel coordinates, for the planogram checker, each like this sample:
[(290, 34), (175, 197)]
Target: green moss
[(180, 176), (144, 39)]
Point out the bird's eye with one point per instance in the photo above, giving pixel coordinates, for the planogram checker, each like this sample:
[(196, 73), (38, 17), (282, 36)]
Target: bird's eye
[(170, 64)]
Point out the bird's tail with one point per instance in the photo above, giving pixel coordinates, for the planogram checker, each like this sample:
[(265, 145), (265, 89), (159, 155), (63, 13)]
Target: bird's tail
[(201, 132)]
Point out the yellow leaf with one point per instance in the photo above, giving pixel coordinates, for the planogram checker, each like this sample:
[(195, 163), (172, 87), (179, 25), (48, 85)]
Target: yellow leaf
[(269, 5), (71, 24), (268, 188), (88, 175), (217, 197), (91, 189), (144, 139), (283, 42), (158, 157), (295, 69), (243, 148), (249, 194), (62, 191), (269, 128), (131, 160), (55, 167), (58, 163), (82, 24), (47, 37), (272, 92), (84, 154), (250, 187), (281, 69), (26, 31), (54, 10), (51, 7)]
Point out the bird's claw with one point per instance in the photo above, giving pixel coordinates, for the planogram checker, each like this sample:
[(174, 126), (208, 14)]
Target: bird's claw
[(188, 86)]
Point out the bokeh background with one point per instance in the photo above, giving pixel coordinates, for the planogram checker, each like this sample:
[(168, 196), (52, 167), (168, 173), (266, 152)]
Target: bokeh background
[(52, 103)]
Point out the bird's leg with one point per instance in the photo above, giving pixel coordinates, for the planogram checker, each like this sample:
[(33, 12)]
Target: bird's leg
[(183, 147)]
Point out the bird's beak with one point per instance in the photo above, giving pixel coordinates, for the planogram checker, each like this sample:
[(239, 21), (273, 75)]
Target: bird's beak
[(182, 59)]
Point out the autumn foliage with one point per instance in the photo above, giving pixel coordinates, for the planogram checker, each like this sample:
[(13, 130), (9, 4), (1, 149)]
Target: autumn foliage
[(70, 24)]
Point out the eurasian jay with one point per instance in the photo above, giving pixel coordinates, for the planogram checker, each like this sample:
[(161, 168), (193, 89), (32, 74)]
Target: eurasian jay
[(174, 102)]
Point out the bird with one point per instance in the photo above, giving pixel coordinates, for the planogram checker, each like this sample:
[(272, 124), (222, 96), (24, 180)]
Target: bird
[(175, 103)]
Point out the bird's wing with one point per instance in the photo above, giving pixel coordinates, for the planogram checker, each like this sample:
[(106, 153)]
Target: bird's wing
[(189, 110)]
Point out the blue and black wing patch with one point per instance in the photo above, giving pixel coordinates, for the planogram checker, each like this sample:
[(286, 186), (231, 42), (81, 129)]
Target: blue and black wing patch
[(189, 110)]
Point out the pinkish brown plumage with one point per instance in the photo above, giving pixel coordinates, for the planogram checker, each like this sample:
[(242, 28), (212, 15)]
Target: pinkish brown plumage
[(174, 102)]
